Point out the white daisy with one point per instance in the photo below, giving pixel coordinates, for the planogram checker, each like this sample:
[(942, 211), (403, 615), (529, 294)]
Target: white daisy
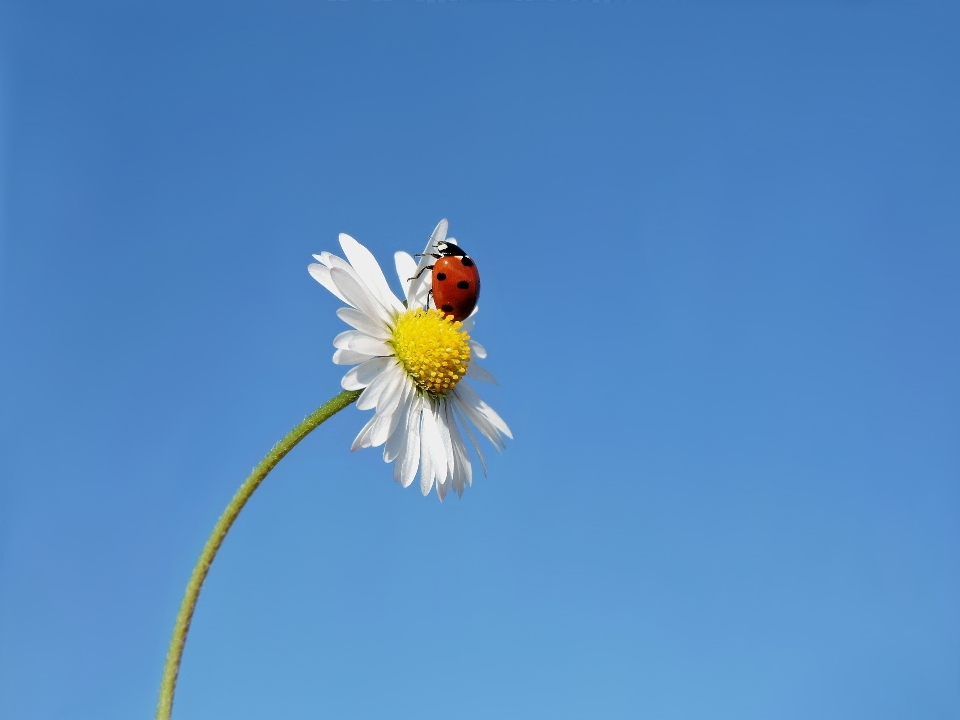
[(410, 361)]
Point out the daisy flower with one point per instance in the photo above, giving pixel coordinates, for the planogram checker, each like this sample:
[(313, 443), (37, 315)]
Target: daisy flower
[(410, 360)]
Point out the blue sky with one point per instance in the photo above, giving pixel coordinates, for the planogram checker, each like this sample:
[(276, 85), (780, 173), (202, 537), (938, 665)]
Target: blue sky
[(720, 261)]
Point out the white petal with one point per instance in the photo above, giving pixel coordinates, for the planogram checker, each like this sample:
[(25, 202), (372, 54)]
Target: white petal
[(392, 395), (374, 433), (406, 269), (443, 486), (426, 461), (388, 396), (370, 273), (336, 262), (398, 433), (369, 397), (365, 323), (475, 372), (462, 475), (439, 234), (362, 343), (397, 467), (472, 412), (328, 258), (398, 444), (411, 453), (476, 349), (371, 346), (468, 323), (422, 294), (365, 373), (447, 446), (469, 395), (358, 295), (343, 356), (380, 430), (419, 290), (322, 275), (342, 340), (458, 411), (466, 467), (432, 443), (363, 437), (397, 414)]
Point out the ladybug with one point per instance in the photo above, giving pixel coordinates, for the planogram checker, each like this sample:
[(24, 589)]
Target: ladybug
[(455, 284)]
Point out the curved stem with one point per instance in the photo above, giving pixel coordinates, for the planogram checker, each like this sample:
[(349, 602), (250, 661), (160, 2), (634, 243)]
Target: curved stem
[(182, 626)]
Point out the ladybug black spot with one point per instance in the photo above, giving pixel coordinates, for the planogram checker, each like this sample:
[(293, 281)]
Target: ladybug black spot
[(463, 285), (467, 262), (441, 276), (447, 308)]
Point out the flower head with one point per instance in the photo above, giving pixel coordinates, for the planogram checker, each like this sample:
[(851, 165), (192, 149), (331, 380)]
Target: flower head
[(410, 361)]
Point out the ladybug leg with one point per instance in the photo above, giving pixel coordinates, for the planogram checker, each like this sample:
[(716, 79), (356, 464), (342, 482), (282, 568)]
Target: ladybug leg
[(430, 295), (425, 267)]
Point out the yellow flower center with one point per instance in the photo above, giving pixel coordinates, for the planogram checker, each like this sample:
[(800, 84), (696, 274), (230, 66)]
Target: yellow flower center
[(432, 349)]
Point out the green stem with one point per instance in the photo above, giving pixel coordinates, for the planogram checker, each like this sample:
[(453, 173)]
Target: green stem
[(175, 653)]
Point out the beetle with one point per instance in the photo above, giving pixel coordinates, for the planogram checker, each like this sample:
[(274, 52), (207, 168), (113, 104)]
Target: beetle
[(455, 282)]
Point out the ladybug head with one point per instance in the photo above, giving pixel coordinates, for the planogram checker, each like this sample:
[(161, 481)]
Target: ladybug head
[(448, 249)]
